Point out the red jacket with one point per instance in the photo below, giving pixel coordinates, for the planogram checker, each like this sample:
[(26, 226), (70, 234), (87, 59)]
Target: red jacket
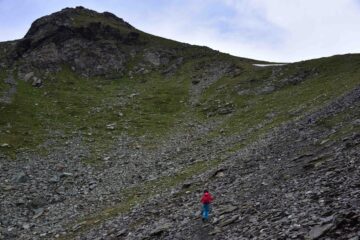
[(206, 198)]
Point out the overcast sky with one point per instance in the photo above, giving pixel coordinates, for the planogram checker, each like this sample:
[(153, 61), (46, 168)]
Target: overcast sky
[(273, 30)]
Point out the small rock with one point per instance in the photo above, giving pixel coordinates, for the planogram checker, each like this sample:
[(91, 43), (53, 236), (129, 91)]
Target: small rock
[(266, 90), (38, 202), (324, 141), (219, 173), (227, 209), (121, 233), (110, 232), (28, 76), (225, 110), (111, 126), (26, 226), (37, 82), (244, 92), (327, 219), (8, 188), (354, 238), (356, 122), (78, 226), (133, 95), (319, 230), (162, 227), (38, 212), (21, 178), (229, 221), (66, 174), (195, 81), (5, 145), (215, 231), (59, 167), (254, 220), (20, 202), (186, 185), (92, 184), (54, 179)]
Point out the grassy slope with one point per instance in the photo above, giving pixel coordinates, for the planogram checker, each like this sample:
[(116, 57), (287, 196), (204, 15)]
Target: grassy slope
[(71, 103), (151, 104), (334, 76)]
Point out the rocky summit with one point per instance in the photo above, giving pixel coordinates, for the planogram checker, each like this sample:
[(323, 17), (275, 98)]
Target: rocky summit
[(107, 132)]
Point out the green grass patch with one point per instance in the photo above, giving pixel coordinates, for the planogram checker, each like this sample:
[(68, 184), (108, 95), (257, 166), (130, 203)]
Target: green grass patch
[(85, 18), (287, 102), (148, 105), (3, 85), (344, 131), (19, 122), (340, 124), (156, 105)]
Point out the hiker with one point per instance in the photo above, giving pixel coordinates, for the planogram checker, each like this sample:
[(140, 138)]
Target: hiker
[(206, 200)]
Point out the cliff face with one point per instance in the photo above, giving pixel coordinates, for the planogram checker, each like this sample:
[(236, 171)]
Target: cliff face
[(107, 132), (91, 43)]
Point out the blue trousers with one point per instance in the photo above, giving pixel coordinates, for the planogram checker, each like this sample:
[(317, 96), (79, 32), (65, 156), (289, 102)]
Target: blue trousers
[(205, 211)]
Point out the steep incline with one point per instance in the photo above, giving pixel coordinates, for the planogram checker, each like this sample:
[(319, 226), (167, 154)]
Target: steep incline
[(107, 132)]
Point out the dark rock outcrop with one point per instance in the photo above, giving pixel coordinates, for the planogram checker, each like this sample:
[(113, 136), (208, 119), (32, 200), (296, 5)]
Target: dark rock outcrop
[(91, 43)]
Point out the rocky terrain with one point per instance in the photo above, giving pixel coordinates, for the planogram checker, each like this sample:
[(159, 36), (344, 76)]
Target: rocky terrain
[(107, 132)]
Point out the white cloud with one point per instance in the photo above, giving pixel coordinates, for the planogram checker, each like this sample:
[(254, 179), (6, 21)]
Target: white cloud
[(315, 28), (274, 30), (277, 30), (186, 23)]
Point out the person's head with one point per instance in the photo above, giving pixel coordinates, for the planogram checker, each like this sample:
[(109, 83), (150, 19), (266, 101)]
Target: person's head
[(206, 191)]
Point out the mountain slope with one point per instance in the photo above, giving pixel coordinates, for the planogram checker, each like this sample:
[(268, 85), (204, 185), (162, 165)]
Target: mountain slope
[(109, 132)]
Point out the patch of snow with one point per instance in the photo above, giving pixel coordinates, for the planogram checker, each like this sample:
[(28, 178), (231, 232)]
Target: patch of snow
[(269, 64)]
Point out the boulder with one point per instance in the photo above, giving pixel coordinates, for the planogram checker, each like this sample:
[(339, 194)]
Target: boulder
[(160, 227), (21, 177), (28, 76), (227, 209), (228, 221), (37, 82)]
